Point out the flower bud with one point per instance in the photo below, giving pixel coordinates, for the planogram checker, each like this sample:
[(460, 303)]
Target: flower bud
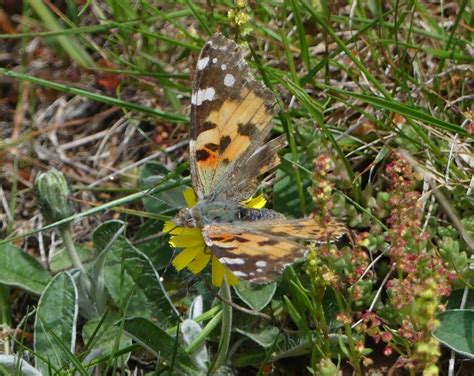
[(52, 192)]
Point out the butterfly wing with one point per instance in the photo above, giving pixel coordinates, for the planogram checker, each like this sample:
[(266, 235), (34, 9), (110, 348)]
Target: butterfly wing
[(260, 250), (305, 229), (231, 115), (251, 255)]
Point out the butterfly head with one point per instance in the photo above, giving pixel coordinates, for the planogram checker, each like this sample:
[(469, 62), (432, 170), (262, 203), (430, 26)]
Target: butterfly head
[(185, 218)]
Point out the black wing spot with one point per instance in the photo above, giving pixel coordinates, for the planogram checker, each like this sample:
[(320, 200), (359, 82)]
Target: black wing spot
[(207, 125), (202, 155), (224, 143), (268, 242), (246, 129), (241, 239), (212, 147)]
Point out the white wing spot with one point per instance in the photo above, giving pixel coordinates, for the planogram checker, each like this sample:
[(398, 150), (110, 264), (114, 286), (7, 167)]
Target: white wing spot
[(224, 66), (229, 80), (231, 261), (214, 60), (239, 274), (203, 63), (203, 95), (259, 270), (261, 264)]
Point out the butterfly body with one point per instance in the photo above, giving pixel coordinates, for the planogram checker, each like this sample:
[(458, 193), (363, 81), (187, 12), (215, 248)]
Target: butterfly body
[(221, 212), (231, 117)]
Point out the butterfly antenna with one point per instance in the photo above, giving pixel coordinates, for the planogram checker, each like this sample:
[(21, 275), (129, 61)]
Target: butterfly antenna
[(165, 269)]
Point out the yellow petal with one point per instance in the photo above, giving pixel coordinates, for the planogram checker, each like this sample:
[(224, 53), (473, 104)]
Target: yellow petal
[(200, 262), (185, 257), (182, 241), (218, 271), (169, 226), (232, 279), (255, 203), (190, 197)]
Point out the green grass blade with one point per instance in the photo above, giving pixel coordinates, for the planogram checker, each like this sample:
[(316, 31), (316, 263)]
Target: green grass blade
[(95, 96), (69, 44), (405, 110)]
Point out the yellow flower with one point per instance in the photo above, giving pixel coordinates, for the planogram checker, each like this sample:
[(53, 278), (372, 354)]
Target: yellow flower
[(195, 255)]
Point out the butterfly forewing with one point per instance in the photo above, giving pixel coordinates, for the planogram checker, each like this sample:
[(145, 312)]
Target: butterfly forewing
[(231, 115)]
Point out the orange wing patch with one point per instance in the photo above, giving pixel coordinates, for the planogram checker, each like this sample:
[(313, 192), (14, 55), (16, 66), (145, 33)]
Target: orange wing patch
[(236, 121), (233, 132)]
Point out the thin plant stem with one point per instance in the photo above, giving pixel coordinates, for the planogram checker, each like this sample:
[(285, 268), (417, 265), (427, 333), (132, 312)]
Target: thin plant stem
[(226, 327), (66, 234), (5, 315)]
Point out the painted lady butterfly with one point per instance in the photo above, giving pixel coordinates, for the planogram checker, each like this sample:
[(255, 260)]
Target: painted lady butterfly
[(231, 116)]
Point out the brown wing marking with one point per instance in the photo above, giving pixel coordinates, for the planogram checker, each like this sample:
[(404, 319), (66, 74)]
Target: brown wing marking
[(253, 256)]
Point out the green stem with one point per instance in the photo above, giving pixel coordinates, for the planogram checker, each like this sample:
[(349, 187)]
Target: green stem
[(70, 247), (204, 335), (76, 261), (5, 315), (226, 327)]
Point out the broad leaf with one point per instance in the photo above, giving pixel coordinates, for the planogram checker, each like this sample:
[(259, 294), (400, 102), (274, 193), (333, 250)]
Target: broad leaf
[(18, 268), (161, 344), (61, 260), (55, 323), (265, 338), (151, 175), (255, 296), (130, 278), (149, 243), (108, 338), (456, 331), (190, 331)]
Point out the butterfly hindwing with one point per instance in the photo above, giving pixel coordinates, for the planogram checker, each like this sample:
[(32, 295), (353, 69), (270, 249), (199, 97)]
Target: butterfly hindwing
[(231, 115), (259, 250), (304, 229), (251, 255)]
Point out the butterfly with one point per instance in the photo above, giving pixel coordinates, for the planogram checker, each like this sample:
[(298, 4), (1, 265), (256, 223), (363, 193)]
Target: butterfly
[(231, 117)]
